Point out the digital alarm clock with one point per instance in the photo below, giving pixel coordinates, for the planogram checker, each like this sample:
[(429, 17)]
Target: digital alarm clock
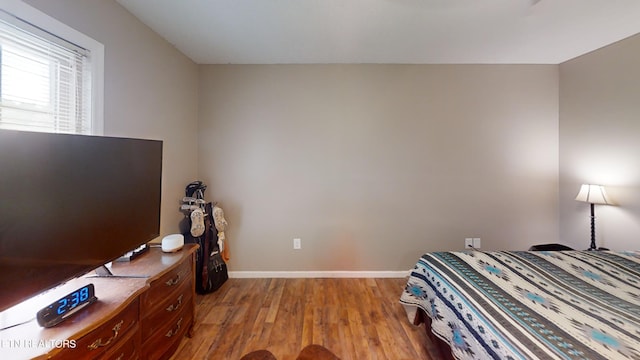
[(64, 307)]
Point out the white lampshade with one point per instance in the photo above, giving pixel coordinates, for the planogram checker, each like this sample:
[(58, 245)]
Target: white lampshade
[(593, 194)]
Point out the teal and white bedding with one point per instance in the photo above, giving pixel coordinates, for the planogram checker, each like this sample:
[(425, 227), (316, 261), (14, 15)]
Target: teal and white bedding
[(530, 304)]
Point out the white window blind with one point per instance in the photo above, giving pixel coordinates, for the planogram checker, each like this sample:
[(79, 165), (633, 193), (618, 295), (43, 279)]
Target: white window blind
[(45, 81)]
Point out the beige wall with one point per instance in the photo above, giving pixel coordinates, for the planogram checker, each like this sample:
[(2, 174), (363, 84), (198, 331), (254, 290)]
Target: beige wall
[(372, 165), (150, 90), (599, 143)]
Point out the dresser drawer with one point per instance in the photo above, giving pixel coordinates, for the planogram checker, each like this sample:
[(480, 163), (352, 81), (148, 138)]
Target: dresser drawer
[(126, 349), (165, 285), (168, 336), (105, 337), (172, 304)]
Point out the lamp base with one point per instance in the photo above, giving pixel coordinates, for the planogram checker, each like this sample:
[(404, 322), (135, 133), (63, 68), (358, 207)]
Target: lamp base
[(592, 246)]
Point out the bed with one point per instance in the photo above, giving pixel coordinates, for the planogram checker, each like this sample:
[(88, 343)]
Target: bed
[(529, 304)]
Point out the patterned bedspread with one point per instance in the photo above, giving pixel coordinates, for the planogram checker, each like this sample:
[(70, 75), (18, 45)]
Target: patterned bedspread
[(530, 304)]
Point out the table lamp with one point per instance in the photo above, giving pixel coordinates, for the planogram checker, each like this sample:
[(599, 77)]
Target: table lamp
[(593, 194)]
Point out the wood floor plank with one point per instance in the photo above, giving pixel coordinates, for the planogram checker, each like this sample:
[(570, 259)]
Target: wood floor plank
[(255, 338), (317, 326), (307, 326), (276, 288), (358, 334), (359, 319)]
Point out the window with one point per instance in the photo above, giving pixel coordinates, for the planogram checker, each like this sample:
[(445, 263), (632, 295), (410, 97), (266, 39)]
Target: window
[(47, 83)]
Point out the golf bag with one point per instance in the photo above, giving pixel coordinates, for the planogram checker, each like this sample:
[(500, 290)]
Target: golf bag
[(211, 270)]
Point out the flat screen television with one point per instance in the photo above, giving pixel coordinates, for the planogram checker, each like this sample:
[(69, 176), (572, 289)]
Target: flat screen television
[(71, 203)]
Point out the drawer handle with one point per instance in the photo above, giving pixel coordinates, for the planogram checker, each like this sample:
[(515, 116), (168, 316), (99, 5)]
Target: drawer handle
[(173, 281), (98, 343), (173, 332), (176, 306)]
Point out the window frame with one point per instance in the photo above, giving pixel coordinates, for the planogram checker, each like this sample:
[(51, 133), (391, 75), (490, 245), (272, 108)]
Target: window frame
[(39, 19)]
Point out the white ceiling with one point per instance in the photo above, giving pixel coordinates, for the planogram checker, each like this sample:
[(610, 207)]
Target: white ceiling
[(388, 31)]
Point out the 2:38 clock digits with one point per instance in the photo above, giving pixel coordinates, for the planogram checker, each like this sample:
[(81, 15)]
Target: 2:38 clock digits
[(76, 298)]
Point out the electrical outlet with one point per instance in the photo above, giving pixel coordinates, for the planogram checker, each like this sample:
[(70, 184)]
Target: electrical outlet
[(476, 243), (468, 243), (297, 243)]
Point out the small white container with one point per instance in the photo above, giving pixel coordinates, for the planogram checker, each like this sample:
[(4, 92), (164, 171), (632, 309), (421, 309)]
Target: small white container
[(172, 243)]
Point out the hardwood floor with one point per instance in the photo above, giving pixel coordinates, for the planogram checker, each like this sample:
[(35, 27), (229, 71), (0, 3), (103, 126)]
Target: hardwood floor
[(357, 319)]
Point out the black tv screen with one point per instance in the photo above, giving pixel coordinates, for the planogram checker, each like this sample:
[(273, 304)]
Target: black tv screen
[(71, 203)]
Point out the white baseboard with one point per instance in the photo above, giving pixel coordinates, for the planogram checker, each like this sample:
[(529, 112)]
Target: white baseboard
[(317, 274)]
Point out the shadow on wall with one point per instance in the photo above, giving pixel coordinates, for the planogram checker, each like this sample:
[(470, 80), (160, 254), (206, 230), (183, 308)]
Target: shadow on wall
[(341, 252)]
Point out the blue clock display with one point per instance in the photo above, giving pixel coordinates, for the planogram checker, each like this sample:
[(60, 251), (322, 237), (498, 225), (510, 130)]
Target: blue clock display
[(72, 300), (64, 307)]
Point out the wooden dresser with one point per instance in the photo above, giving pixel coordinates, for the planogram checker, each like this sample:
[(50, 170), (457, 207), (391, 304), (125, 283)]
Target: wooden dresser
[(142, 313)]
